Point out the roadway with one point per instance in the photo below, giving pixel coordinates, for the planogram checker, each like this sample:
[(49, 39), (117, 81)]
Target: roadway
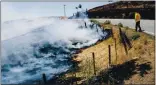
[(147, 25)]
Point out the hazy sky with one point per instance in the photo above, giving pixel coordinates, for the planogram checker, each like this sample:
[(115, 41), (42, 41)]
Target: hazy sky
[(18, 10)]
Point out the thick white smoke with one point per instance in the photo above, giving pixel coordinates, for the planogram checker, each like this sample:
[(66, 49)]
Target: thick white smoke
[(23, 60)]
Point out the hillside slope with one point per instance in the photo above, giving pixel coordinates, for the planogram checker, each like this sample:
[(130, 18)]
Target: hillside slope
[(135, 67), (124, 9)]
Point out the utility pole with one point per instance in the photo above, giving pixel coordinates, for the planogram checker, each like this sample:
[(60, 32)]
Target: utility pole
[(64, 10)]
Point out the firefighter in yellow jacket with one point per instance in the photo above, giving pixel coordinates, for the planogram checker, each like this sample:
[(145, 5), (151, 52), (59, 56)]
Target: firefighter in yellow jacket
[(137, 20)]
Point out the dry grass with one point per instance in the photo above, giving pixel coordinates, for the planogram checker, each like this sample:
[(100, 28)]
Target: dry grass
[(142, 49)]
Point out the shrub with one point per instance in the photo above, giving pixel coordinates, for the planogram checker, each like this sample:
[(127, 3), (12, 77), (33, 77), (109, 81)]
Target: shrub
[(135, 36), (126, 27), (120, 25), (145, 42), (95, 21), (107, 22)]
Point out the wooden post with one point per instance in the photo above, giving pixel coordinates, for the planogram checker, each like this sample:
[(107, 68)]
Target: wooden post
[(39, 82), (75, 77), (123, 40), (108, 80), (115, 50), (85, 25), (94, 63), (109, 51), (44, 78), (113, 81), (109, 64), (96, 28)]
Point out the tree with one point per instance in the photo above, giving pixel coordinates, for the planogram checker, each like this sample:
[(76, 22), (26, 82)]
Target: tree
[(80, 6)]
